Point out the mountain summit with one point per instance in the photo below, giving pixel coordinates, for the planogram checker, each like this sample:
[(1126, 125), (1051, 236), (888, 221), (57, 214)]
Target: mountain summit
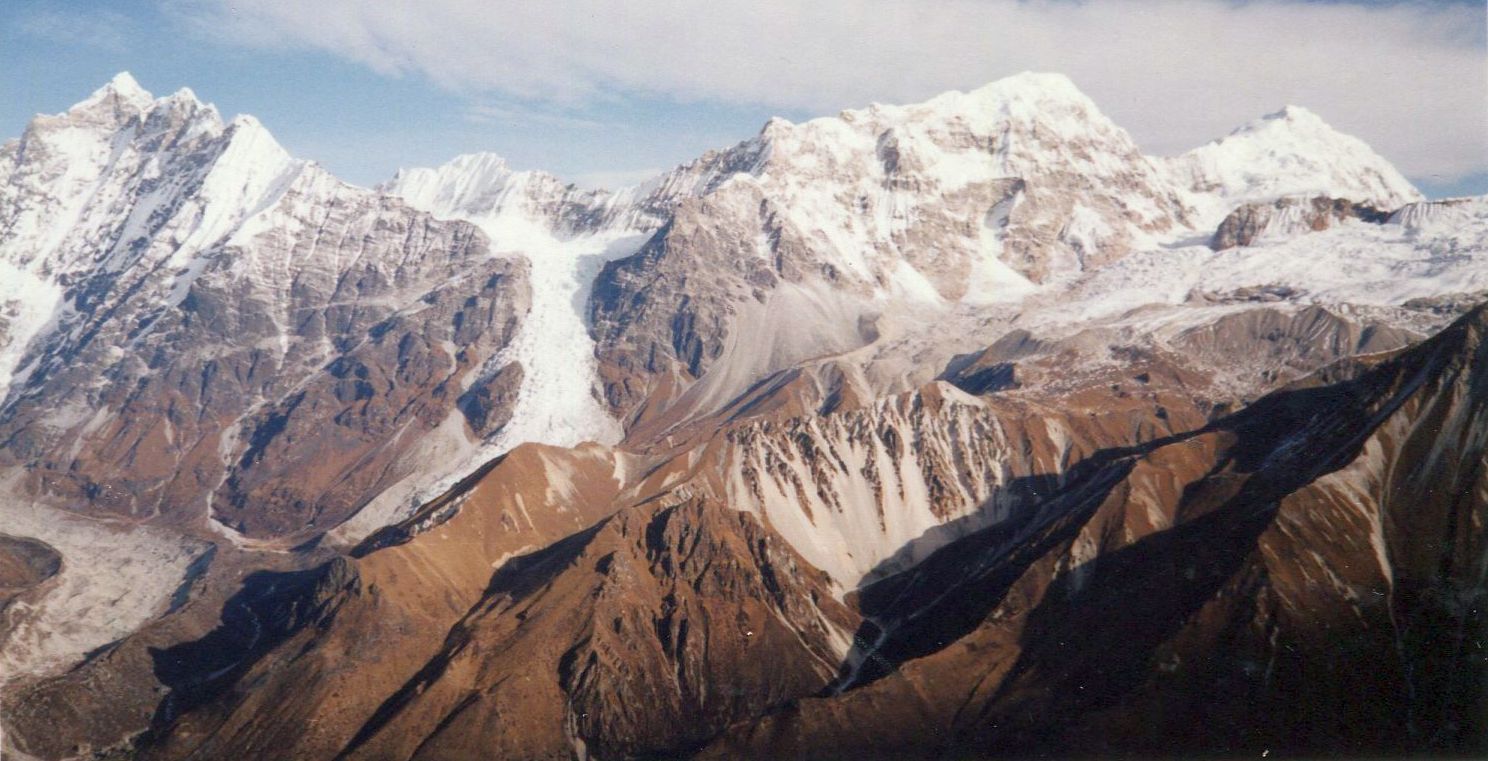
[(1291, 152)]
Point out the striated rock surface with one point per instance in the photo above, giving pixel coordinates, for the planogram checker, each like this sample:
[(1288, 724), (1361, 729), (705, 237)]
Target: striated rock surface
[(1222, 590)]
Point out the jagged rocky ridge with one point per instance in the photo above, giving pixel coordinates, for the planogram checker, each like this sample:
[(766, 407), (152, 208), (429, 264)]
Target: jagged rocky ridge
[(832, 371), (1232, 589), (236, 334)]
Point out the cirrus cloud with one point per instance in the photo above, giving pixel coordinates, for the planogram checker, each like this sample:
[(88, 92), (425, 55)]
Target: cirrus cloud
[(100, 29), (1408, 77)]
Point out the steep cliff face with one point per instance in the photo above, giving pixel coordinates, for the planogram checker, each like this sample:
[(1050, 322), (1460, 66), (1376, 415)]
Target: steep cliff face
[(208, 327), (970, 197)]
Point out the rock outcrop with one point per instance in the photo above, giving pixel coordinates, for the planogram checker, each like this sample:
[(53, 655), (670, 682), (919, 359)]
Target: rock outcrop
[(1288, 217)]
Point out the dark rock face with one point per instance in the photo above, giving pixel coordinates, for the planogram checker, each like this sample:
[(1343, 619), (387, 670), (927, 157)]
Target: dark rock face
[(488, 404), (25, 564), (666, 312), (1278, 344), (269, 608), (317, 455), (1289, 216), (670, 608)]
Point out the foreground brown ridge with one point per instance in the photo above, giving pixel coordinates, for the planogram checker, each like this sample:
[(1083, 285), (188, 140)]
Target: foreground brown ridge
[(1303, 577)]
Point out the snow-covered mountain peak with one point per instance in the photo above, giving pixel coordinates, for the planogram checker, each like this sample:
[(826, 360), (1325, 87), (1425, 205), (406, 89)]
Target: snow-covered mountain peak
[(122, 106), (1041, 129), (243, 123), (1024, 126), (1290, 152), (1018, 107), (119, 101), (475, 183), (484, 188), (480, 163), (1006, 117), (959, 188), (1041, 85), (185, 99), (1027, 95), (1288, 126), (123, 176), (124, 83), (124, 89)]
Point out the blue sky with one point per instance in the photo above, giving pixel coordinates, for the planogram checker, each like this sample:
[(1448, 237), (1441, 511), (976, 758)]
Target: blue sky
[(602, 92)]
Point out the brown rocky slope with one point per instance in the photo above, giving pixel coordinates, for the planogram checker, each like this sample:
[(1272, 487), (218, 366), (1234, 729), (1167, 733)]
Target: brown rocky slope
[(1303, 577)]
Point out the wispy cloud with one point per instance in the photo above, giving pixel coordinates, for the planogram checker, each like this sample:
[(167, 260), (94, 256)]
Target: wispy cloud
[(1408, 77), (498, 113), (100, 29)]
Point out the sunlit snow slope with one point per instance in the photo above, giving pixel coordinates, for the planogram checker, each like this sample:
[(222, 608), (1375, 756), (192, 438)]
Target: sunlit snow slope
[(565, 236)]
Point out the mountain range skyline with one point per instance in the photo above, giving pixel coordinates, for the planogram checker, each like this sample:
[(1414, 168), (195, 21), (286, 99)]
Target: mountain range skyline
[(397, 104)]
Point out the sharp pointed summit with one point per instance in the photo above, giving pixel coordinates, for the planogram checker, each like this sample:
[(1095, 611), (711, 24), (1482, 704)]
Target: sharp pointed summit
[(124, 86)]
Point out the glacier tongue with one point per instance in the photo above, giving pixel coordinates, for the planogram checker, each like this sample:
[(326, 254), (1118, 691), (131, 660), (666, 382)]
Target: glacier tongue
[(557, 403), (534, 216)]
